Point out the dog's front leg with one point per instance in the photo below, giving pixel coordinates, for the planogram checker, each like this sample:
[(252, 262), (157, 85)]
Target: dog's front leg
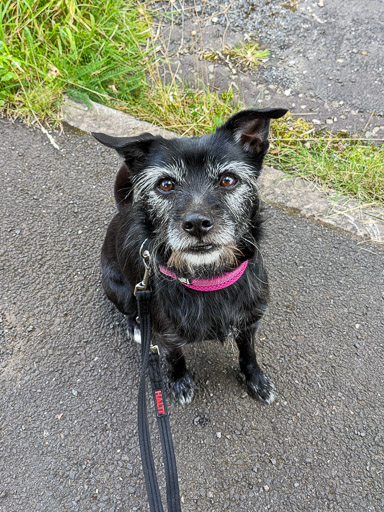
[(180, 382), (258, 384)]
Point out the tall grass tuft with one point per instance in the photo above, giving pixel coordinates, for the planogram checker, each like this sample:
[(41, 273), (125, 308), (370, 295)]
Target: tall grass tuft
[(95, 46)]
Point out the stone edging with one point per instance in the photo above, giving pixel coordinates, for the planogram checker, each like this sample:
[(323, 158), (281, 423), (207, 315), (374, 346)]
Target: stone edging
[(276, 187)]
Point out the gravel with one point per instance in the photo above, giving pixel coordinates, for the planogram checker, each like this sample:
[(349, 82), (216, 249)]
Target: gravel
[(326, 57)]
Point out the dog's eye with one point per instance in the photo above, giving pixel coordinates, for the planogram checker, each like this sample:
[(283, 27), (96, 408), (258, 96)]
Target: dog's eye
[(228, 181), (166, 185)]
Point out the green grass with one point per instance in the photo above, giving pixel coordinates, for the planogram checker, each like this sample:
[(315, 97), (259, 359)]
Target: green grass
[(343, 163), (98, 50), (46, 47), (350, 167), (184, 109), (104, 50)]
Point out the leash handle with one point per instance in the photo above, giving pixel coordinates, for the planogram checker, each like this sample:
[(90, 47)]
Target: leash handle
[(151, 360)]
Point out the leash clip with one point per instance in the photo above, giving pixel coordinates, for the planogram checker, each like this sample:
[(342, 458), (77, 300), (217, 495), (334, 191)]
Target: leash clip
[(146, 257), (154, 349)]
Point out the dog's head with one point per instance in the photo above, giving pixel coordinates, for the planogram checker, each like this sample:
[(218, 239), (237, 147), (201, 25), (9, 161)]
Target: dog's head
[(198, 195)]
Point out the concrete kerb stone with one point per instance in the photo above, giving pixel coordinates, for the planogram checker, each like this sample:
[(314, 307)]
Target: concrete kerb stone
[(276, 187), (99, 118)]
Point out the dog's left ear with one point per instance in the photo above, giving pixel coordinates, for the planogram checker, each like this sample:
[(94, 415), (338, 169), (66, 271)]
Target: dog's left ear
[(250, 128), (134, 150)]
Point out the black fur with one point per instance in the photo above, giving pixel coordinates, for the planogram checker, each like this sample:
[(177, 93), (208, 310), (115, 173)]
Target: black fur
[(206, 223)]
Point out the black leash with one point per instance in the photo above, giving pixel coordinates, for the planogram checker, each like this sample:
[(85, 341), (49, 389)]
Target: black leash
[(151, 360)]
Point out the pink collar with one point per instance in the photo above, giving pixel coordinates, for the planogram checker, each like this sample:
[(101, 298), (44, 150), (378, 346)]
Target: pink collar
[(209, 285)]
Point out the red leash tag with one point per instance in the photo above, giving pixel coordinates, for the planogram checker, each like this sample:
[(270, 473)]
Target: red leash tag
[(160, 408)]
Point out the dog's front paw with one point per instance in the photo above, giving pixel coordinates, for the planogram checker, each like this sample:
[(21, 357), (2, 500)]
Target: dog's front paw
[(183, 389), (260, 387)]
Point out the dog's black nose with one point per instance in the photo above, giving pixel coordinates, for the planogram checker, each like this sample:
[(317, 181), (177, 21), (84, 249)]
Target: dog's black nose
[(197, 225)]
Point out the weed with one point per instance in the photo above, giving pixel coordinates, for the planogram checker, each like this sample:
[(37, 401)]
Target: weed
[(245, 56), (291, 5)]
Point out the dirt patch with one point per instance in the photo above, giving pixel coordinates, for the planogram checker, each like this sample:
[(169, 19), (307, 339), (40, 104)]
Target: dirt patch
[(325, 60)]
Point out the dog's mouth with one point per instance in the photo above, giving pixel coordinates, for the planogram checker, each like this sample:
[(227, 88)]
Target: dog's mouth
[(204, 260), (200, 248)]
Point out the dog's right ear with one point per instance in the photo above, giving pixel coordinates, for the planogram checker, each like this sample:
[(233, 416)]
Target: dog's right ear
[(134, 150)]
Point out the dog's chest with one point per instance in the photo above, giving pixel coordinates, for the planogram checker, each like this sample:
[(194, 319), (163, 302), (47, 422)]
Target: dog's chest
[(196, 316)]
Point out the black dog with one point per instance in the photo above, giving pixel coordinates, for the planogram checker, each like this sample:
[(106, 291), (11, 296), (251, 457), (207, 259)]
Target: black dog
[(195, 201)]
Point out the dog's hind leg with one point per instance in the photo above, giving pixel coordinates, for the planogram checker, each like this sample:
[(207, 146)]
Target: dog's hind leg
[(120, 292), (258, 384), (117, 288)]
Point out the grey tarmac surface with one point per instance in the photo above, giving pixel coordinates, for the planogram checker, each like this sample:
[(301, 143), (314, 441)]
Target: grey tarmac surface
[(69, 377), (326, 61)]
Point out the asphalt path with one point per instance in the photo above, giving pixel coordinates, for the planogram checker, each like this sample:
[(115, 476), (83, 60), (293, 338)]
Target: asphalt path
[(69, 377)]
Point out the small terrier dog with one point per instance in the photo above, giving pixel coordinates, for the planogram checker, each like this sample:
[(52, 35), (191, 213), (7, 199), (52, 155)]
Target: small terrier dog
[(196, 203)]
